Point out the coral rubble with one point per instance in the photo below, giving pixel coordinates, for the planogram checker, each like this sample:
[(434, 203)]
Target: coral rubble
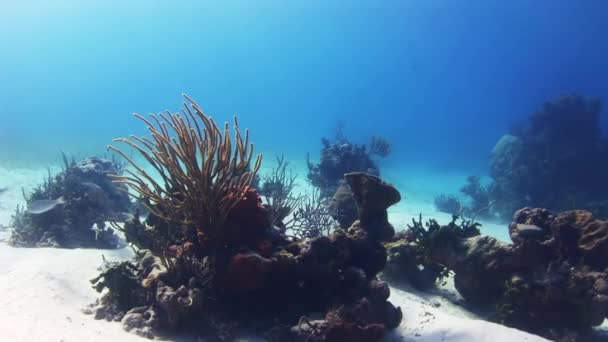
[(230, 269), (63, 211)]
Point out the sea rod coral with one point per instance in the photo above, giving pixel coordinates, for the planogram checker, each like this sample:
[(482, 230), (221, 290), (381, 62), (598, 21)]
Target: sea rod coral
[(202, 179)]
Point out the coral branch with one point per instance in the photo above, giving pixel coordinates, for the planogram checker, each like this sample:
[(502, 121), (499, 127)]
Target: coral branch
[(202, 175)]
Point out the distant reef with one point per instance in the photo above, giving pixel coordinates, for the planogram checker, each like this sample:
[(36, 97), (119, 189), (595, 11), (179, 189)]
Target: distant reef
[(70, 209), (557, 159), (338, 157)]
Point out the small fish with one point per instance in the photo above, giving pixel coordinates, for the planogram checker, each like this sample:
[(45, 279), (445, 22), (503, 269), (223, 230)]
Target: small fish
[(3, 189), (120, 217), (42, 206)]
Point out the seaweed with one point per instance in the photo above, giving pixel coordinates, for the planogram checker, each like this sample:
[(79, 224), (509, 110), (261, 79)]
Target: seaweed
[(447, 204), (380, 146), (410, 253), (277, 191), (312, 217)]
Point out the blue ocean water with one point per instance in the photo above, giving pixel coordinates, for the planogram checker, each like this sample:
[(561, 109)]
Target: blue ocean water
[(443, 80)]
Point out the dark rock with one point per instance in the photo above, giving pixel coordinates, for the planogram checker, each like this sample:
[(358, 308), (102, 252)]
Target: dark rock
[(373, 197), (404, 265), (521, 231), (343, 207), (334, 275)]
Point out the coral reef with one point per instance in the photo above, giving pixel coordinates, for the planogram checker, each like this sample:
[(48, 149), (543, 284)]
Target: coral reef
[(338, 159), (71, 208), (230, 268), (552, 280), (558, 160), (303, 215)]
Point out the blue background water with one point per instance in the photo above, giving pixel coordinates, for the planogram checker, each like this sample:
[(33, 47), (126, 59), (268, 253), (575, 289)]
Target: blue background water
[(442, 79)]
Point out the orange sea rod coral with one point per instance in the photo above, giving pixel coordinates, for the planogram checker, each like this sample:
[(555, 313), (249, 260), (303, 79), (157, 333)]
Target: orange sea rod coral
[(201, 173)]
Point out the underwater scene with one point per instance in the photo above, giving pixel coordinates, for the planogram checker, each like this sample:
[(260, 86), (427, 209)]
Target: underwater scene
[(314, 171)]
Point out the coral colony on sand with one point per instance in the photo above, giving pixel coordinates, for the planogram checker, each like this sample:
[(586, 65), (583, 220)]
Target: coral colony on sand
[(209, 258), (71, 208), (337, 159), (408, 258), (552, 279), (342, 157)]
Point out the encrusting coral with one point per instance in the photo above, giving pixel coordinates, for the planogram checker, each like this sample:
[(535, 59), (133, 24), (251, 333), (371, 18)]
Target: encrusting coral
[(230, 269)]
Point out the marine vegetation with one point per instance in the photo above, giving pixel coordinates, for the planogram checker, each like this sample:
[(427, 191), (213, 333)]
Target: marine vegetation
[(341, 157), (558, 159), (277, 192), (71, 208), (312, 217), (552, 280), (479, 204), (301, 216), (479, 198), (448, 204), (408, 252), (208, 259), (380, 146)]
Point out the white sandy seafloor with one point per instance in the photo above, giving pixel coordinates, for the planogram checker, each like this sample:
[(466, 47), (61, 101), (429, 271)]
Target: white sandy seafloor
[(44, 290)]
